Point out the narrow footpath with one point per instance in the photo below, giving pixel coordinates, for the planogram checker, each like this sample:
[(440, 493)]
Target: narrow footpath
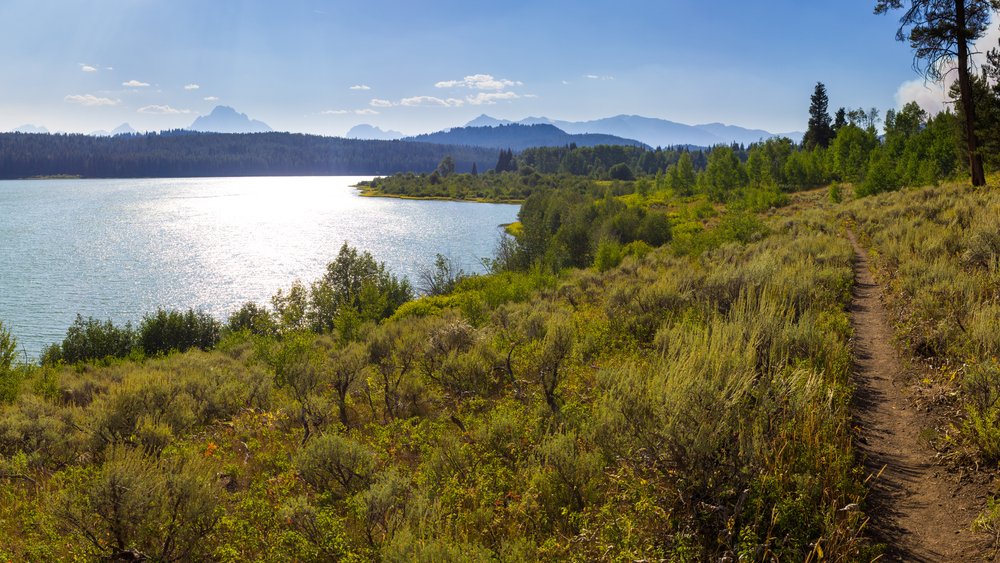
[(918, 509)]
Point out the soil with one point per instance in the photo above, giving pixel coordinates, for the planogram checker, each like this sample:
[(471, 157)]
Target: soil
[(921, 507)]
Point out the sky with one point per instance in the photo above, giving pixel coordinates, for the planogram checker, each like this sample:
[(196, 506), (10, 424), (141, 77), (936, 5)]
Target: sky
[(323, 66)]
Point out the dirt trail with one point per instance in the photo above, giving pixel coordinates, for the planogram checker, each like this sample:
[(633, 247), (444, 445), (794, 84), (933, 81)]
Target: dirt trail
[(919, 509)]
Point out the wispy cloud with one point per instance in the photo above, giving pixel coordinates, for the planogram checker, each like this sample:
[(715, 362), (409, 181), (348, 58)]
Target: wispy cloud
[(163, 110), (479, 82), (361, 87), (377, 103), (365, 111), (211, 98), (430, 101), (191, 87), (334, 112), (598, 77), (490, 98), (90, 100), (88, 68), (135, 84)]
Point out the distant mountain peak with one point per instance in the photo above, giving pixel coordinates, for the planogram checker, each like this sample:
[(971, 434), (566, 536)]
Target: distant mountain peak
[(225, 119), (29, 128), (487, 121), (372, 132), (123, 129)]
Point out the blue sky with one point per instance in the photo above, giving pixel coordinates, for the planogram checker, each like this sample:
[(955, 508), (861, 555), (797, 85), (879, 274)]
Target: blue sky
[(323, 66)]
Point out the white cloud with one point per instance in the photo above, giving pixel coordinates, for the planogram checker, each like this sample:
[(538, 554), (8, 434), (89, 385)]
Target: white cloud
[(377, 103), (490, 98), (932, 97), (192, 87), (598, 77), (211, 98), (361, 87), (163, 110), (135, 84), (430, 101), (334, 112), (90, 100), (365, 112), (88, 68), (479, 82)]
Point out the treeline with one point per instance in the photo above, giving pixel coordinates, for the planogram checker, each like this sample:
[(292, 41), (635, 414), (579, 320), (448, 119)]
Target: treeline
[(191, 154), (597, 161)]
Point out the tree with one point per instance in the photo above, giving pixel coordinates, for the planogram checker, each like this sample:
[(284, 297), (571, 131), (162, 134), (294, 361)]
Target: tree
[(681, 178), (505, 162), (621, 171), (354, 285), (440, 279), (446, 167), (820, 133), (940, 32), (839, 120)]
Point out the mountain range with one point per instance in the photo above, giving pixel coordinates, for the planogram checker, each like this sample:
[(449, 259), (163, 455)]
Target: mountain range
[(519, 137), (371, 132), (487, 131), (651, 131)]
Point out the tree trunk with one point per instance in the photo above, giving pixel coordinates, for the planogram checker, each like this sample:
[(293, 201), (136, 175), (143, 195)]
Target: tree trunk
[(965, 89)]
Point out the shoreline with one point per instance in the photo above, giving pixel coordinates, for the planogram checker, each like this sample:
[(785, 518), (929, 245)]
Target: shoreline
[(366, 192)]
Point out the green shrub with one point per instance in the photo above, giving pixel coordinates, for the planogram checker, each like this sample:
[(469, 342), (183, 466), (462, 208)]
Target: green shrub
[(169, 331), (90, 339)]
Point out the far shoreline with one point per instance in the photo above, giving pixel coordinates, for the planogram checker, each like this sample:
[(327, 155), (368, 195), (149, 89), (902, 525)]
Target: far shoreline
[(365, 191)]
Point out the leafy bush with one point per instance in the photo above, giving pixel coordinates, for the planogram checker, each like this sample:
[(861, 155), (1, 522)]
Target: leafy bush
[(135, 507), (168, 331), (90, 339)]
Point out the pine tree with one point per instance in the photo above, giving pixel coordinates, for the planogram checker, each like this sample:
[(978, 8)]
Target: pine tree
[(839, 120), (820, 133)]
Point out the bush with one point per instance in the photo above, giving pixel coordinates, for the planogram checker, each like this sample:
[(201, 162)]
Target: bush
[(254, 319), (90, 339), (135, 507), (169, 331)]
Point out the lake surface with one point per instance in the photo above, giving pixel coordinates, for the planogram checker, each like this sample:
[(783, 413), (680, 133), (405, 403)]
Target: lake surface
[(119, 249)]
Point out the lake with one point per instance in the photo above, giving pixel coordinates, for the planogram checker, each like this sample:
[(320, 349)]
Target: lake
[(119, 249)]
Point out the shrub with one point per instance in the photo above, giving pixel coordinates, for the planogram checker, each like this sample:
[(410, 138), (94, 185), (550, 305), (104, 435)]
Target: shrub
[(254, 319), (168, 331), (135, 507), (90, 339)]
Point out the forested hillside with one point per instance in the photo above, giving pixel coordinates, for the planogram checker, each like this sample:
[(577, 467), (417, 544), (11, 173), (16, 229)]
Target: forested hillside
[(189, 154)]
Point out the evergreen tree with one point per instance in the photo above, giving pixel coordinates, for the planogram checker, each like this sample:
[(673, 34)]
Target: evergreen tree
[(506, 163), (839, 120), (820, 133), (941, 31)]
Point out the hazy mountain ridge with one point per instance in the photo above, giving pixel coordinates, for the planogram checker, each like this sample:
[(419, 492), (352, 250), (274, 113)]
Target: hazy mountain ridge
[(225, 119), (519, 137), (372, 132), (29, 128), (649, 130)]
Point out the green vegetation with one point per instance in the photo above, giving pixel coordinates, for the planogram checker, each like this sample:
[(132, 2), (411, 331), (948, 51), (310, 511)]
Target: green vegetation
[(682, 394), (657, 367)]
